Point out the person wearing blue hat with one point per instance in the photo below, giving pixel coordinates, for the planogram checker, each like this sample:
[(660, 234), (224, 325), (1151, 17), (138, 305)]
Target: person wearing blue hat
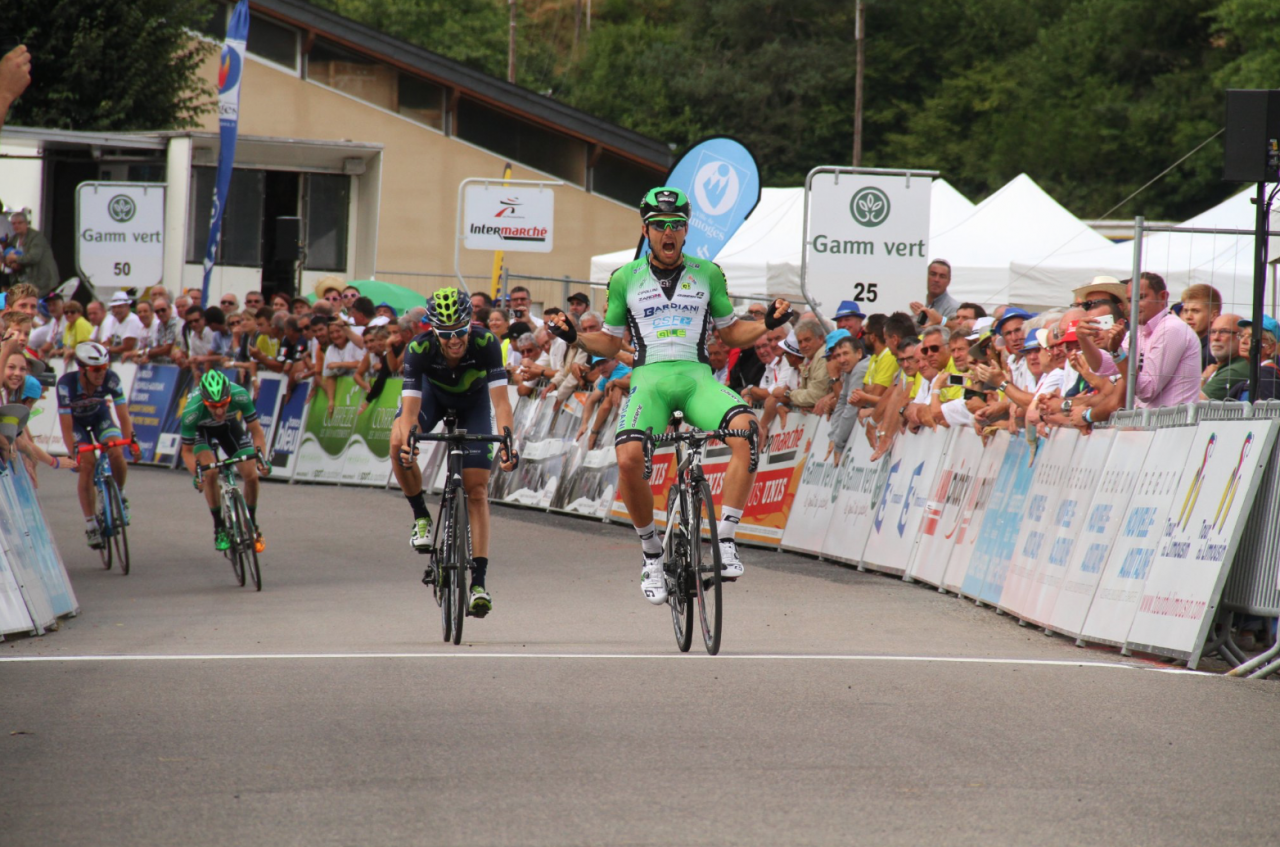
[(1268, 376), (386, 310), (849, 316), (1009, 328)]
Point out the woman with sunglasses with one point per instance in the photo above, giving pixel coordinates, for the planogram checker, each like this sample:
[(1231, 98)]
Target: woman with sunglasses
[(209, 418), (453, 365), (86, 397)]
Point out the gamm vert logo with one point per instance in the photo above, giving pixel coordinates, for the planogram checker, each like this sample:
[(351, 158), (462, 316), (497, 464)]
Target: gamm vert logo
[(122, 208), (869, 206)]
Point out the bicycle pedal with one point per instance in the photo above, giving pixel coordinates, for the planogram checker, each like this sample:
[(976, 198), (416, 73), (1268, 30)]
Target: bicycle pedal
[(426, 550)]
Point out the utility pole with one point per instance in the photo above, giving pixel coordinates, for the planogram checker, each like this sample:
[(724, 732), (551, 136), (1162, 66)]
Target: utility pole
[(511, 44), (577, 28), (860, 30)]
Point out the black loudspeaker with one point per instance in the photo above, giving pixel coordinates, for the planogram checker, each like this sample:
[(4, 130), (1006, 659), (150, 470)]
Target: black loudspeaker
[(288, 240), (1253, 127)]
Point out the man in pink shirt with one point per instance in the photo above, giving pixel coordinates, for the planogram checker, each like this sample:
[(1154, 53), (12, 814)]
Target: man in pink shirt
[(1168, 351)]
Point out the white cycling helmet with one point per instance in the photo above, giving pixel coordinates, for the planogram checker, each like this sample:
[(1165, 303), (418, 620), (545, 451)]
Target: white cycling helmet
[(92, 353)]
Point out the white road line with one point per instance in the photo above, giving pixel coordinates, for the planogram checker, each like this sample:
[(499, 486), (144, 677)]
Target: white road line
[(783, 657)]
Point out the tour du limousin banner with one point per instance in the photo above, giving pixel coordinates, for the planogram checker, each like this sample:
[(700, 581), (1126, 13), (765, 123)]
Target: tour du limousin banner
[(1200, 535), (230, 75), (720, 177), (350, 445), (151, 405)]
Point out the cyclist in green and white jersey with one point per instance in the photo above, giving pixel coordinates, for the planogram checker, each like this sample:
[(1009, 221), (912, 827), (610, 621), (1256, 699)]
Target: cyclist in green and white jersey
[(209, 418), (670, 302)]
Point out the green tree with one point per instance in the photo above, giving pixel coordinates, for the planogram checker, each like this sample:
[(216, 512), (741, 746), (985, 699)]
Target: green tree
[(1250, 29), (473, 32), (112, 65)]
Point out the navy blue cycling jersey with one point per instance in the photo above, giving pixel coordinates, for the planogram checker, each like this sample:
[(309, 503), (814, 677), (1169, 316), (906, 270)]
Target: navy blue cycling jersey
[(92, 406), (481, 366)]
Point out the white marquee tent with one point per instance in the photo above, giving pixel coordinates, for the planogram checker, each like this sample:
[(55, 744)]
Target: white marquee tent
[(1183, 259), (763, 257)]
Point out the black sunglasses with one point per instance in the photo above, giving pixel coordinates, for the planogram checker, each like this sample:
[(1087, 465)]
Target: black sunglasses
[(931, 349)]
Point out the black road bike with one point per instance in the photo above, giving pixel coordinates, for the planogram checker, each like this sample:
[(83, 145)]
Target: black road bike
[(243, 552), (450, 548), (690, 542)]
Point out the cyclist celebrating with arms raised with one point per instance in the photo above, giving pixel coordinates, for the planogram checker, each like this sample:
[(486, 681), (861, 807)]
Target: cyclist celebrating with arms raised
[(86, 397), (460, 367), (210, 417), (670, 302)]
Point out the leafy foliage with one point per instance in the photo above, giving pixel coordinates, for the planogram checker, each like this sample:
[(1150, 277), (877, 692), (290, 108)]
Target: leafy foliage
[(111, 65)]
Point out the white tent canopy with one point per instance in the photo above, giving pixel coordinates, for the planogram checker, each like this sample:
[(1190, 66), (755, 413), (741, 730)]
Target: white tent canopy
[(763, 256), (1018, 223), (1183, 259)]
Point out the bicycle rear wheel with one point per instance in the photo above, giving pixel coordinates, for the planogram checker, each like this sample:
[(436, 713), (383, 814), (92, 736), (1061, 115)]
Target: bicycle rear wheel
[(104, 537), (462, 561), (245, 538), (119, 537), (679, 597), (705, 562)]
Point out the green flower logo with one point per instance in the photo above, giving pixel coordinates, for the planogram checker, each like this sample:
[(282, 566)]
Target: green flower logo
[(122, 208), (869, 206)]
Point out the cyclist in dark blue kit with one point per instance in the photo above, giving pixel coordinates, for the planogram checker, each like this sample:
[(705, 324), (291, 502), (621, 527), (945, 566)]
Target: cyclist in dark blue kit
[(455, 366), (86, 397)]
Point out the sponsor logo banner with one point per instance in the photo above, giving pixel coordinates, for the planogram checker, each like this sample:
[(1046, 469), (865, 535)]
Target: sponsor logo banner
[(120, 233), (721, 180), (520, 219)]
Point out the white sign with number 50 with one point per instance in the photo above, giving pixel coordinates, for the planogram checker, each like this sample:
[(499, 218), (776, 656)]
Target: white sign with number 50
[(120, 233)]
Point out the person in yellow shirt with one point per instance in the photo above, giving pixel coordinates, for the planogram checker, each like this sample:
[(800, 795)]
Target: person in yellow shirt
[(78, 329)]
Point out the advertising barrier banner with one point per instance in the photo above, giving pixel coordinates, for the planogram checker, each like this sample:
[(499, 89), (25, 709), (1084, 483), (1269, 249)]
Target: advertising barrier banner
[(859, 485), (1088, 463), (815, 497), (1098, 531), (19, 552), (270, 396), (991, 530), (45, 558), (945, 508), (1219, 480), (781, 461), (326, 437), (974, 511), (288, 436), (1052, 465), (13, 609), (913, 471), (1134, 548), (151, 404), (367, 460)]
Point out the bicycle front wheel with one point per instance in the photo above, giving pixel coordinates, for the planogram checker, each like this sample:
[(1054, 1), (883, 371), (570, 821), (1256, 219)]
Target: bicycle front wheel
[(704, 558), (232, 520), (119, 535), (461, 558), (679, 595), (245, 539), (445, 570)]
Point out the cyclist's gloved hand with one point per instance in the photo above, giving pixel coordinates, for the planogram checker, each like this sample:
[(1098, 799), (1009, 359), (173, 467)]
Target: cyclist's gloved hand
[(773, 320), (561, 327), (195, 482)]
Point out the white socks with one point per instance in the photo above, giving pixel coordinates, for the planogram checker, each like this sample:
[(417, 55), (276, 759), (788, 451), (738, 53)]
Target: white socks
[(728, 525), (649, 539)]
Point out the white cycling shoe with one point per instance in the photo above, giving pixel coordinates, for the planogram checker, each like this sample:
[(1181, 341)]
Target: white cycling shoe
[(652, 583), (730, 565)]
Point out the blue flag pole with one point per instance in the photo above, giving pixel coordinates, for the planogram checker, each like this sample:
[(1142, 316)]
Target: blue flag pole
[(720, 177), (230, 74)]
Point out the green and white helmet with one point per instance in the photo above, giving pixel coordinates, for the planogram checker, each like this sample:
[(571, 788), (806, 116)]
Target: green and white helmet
[(666, 204), (215, 388), (448, 307)]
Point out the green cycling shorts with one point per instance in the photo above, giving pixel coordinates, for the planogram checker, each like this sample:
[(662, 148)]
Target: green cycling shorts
[(662, 388)]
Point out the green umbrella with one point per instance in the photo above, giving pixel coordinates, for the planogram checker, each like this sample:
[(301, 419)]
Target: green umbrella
[(397, 296)]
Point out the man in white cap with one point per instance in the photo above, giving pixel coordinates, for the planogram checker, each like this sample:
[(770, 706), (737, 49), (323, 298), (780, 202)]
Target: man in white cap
[(121, 331)]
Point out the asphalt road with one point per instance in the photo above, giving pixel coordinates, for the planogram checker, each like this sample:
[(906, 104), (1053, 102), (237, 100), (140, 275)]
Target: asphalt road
[(845, 708)]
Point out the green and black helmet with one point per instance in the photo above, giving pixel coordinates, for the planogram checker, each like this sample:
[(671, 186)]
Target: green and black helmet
[(665, 204), (448, 307), (215, 389)]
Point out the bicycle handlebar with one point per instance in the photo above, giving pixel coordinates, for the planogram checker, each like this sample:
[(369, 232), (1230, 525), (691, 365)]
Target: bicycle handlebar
[(228, 462), (462, 437), (699, 438)]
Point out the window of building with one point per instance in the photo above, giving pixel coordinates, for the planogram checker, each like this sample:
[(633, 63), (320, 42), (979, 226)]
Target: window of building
[(523, 142), (622, 180), (351, 73), (421, 101), (327, 208), (241, 236), (273, 42)]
